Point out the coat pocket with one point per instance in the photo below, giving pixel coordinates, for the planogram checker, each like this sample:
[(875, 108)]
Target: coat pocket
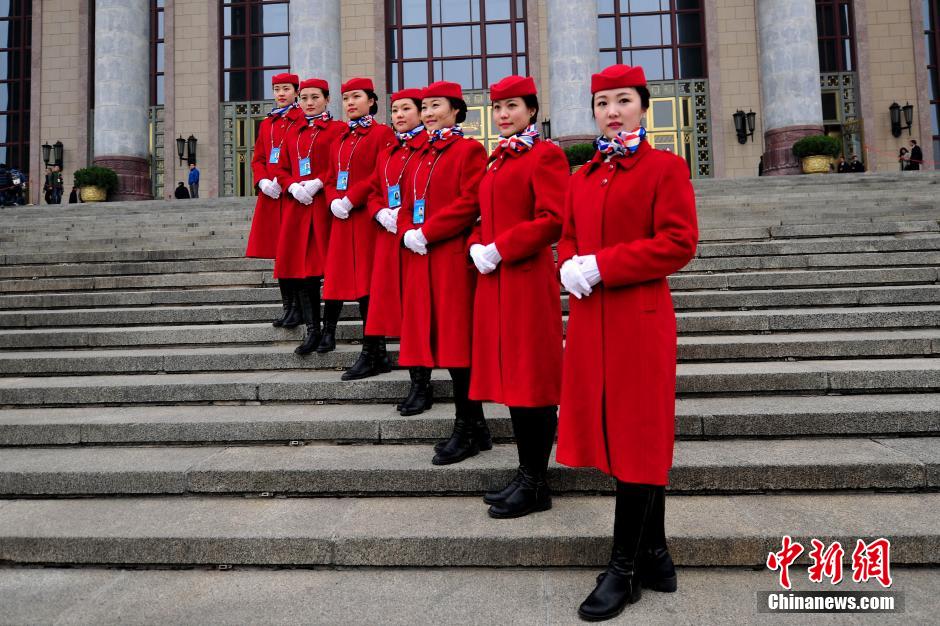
[(649, 296)]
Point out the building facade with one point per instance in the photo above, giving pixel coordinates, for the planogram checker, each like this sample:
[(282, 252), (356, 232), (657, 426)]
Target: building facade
[(119, 82)]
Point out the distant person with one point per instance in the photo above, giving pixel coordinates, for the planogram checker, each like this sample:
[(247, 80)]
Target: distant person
[(181, 193), (47, 186), (855, 165), (841, 167), (6, 184), (917, 156), (760, 166), (74, 197), (903, 158), (193, 181), (58, 187)]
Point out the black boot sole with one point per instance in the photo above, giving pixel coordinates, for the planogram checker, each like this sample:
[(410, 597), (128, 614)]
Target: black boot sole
[(455, 459), (544, 506), (484, 447), (408, 412), (360, 375)]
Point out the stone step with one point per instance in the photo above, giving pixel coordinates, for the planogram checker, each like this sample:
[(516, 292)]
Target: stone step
[(805, 261), (201, 279), (280, 356), (729, 466), (696, 417), (404, 596), (106, 256), (818, 377), (820, 245), (133, 268), (682, 300), (223, 325), (444, 532)]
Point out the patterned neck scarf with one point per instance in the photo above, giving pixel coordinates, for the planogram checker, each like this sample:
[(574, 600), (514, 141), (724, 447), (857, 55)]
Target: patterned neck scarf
[(281, 111), (622, 143), (363, 122), (444, 133), (520, 142), (408, 135), (320, 120)]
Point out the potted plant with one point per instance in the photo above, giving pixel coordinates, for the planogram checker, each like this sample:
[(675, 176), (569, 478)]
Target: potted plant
[(95, 183), (578, 154), (817, 152)]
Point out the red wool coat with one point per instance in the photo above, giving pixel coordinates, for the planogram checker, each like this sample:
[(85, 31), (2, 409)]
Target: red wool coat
[(437, 288), (266, 223), (305, 229), (348, 268), (391, 168), (637, 214), (517, 335)]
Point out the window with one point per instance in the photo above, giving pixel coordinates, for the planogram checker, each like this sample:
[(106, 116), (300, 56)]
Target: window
[(665, 37), (157, 55), (471, 42), (15, 41), (932, 38), (835, 27), (255, 47)]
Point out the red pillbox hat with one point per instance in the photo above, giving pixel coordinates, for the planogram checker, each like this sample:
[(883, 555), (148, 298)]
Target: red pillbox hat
[(354, 84), (617, 76), (319, 83), (513, 87), (443, 89), (408, 94), (285, 79)]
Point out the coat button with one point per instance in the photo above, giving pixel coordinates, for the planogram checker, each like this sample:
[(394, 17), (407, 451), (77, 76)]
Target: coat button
[(611, 166), (604, 182)]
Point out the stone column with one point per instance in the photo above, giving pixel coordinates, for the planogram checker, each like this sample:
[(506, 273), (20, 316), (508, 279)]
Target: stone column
[(122, 94), (789, 80), (572, 58), (315, 45)]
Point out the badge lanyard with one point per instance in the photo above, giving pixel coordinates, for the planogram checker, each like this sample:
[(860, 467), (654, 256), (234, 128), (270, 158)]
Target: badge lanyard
[(276, 152), (417, 215), (394, 191), (342, 178), (303, 165)]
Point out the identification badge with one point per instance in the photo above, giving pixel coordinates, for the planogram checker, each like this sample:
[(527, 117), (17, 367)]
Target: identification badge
[(394, 196), (342, 181), (275, 155), (417, 216), (304, 167)]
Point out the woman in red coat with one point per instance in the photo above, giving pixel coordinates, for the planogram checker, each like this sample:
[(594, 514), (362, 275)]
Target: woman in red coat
[(269, 164), (352, 237), (306, 219), (629, 223), (517, 337), (437, 281), (388, 190)]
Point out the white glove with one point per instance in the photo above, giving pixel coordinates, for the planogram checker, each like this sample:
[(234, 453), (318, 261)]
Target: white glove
[(478, 254), (415, 241), (388, 219), (300, 193), (492, 255), (588, 264), (313, 187), (573, 280), (341, 207), (270, 188)]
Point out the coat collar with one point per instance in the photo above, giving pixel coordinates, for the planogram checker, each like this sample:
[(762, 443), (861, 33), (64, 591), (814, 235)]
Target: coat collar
[(624, 162)]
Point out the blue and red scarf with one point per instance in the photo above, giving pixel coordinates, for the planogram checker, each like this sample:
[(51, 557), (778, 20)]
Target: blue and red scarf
[(622, 143), (363, 122), (520, 142), (321, 120), (444, 134), (281, 111), (408, 135)]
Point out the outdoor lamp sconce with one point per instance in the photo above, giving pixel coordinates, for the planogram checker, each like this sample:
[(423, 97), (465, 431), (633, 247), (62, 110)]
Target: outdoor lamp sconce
[(191, 149), (896, 111), (744, 125), (57, 153), (46, 153), (180, 146), (547, 128)]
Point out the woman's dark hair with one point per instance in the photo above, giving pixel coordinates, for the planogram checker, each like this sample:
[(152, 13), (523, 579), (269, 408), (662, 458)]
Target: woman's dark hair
[(461, 107), (532, 102), (644, 94), (374, 107)]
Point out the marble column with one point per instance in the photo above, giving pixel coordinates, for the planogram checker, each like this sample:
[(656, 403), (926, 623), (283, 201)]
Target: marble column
[(572, 58), (122, 94), (315, 45), (789, 80)]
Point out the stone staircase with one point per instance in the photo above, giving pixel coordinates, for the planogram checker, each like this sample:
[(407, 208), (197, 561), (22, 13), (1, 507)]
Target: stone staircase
[(151, 417)]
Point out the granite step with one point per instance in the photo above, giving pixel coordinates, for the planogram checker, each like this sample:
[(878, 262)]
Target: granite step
[(708, 530), (907, 375), (696, 418)]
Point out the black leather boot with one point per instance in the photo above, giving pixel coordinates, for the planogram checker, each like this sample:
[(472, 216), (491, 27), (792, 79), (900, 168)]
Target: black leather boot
[(619, 585), (421, 396), (657, 571), (461, 445), (383, 364), (495, 497), (535, 431), (295, 316), (331, 313), (308, 294), (288, 301), (481, 432), (411, 389), (364, 367)]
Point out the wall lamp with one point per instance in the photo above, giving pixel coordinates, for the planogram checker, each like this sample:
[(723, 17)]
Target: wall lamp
[(744, 125), (896, 110)]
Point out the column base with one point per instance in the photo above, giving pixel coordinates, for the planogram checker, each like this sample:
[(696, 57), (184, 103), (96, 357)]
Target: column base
[(133, 176), (779, 159), (571, 140)]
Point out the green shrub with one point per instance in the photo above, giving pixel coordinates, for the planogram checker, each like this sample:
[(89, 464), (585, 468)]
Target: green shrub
[(579, 153), (96, 176), (817, 145)]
